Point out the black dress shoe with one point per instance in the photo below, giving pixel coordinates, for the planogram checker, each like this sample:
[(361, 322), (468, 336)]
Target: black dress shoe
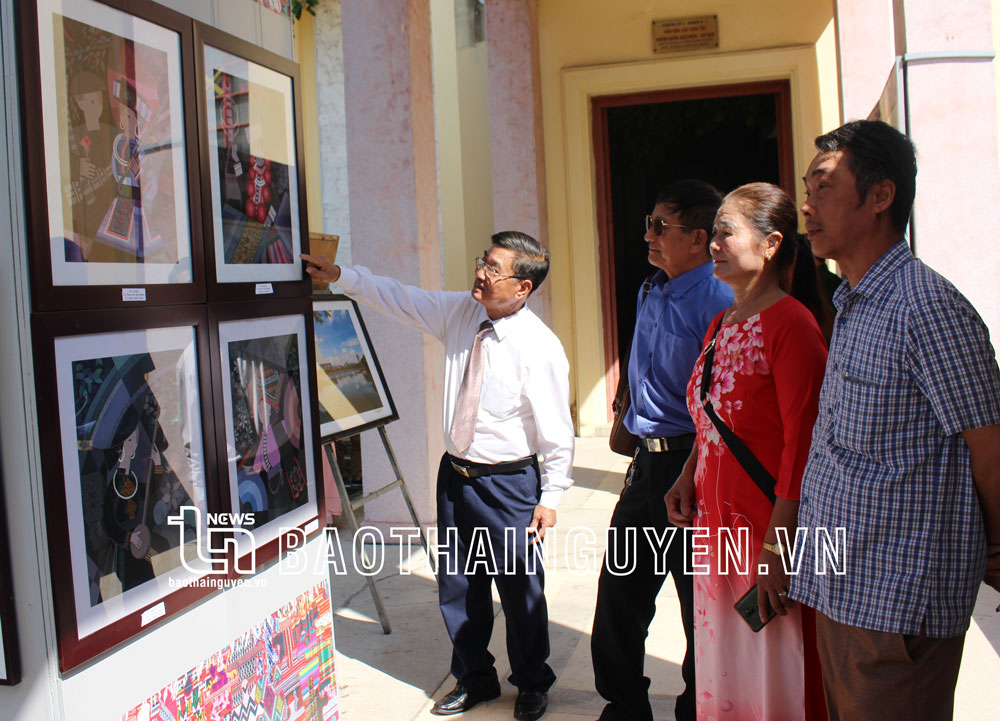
[(462, 698), (530, 705)]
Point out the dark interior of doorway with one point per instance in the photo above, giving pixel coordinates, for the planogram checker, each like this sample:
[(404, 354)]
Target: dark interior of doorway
[(726, 141)]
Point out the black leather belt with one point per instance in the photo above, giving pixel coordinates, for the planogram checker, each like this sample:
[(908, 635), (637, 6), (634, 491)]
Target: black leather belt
[(673, 443), (469, 469)]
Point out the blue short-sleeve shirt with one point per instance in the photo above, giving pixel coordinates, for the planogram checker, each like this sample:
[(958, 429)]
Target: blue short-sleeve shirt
[(670, 328)]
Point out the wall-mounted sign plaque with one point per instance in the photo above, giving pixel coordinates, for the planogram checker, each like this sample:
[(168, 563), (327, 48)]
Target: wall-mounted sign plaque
[(679, 34)]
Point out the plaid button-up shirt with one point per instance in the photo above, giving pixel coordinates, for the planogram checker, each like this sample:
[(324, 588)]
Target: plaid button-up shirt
[(910, 368)]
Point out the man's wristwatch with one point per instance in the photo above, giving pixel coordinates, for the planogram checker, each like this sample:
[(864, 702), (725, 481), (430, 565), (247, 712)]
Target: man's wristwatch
[(776, 548)]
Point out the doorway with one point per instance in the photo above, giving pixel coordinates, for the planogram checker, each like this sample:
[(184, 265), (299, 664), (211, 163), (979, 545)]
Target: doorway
[(726, 135)]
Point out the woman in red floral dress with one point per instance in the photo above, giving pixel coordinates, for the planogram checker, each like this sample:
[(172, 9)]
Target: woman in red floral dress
[(766, 375)]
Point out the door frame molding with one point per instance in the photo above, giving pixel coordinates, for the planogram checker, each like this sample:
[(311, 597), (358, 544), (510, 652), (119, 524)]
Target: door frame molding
[(600, 105), (797, 64)]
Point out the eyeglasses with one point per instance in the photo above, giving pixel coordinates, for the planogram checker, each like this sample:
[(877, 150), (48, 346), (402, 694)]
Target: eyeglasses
[(491, 272), (658, 225)]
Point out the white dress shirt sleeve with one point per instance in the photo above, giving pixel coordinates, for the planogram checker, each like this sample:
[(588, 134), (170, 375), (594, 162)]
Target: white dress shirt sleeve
[(547, 390), (425, 310)]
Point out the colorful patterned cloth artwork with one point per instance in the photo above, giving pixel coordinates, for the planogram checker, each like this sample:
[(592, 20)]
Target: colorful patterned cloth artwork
[(280, 670), (282, 7)]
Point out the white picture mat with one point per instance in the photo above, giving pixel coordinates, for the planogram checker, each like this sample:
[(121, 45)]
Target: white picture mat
[(219, 60), (238, 330), (51, 66), (103, 345), (358, 419)]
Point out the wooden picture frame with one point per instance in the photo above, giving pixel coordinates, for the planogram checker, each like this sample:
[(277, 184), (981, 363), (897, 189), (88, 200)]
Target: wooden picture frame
[(352, 395), (130, 449), (268, 448), (252, 170), (110, 143)]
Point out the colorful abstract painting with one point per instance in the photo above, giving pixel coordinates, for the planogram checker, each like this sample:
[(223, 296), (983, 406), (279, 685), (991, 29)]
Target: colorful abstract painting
[(268, 423), (255, 202), (280, 670)]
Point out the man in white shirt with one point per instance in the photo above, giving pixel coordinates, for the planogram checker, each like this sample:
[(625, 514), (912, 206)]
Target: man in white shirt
[(506, 402)]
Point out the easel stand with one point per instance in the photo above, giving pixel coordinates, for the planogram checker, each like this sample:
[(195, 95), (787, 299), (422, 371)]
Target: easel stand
[(350, 507)]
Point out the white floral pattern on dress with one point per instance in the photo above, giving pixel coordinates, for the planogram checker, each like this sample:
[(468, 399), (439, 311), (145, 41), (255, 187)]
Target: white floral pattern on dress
[(739, 350)]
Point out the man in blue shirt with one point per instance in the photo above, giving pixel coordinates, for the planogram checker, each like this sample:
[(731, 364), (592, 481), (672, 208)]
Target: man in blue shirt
[(675, 309), (905, 453)]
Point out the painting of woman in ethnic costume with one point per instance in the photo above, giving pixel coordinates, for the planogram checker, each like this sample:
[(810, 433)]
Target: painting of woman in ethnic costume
[(92, 184), (110, 157), (267, 425), (125, 226), (129, 488)]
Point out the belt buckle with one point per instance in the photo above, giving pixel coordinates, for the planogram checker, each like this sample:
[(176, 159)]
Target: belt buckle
[(655, 445), (461, 470)]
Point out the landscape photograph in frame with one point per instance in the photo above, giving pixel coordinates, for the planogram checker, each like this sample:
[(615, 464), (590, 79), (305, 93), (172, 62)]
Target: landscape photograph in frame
[(351, 391)]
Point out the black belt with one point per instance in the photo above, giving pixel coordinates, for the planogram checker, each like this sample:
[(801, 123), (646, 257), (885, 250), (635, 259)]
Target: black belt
[(469, 469), (673, 443)]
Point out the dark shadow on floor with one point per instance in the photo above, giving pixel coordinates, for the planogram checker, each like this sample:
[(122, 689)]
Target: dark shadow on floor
[(593, 478), (418, 651)]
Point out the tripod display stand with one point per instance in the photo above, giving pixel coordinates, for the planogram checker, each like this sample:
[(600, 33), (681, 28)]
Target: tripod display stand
[(350, 506)]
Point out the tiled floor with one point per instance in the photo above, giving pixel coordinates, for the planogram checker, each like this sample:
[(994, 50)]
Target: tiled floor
[(396, 677)]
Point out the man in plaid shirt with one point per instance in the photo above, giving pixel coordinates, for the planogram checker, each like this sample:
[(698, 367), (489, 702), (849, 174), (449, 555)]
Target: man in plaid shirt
[(906, 448)]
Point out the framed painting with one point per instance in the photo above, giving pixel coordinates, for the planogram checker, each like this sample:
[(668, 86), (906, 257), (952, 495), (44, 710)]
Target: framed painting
[(110, 154), (265, 431), (253, 177), (351, 390), (124, 466), (10, 658)]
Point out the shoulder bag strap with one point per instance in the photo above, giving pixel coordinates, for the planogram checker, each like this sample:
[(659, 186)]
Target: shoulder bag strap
[(754, 468), (622, 389)]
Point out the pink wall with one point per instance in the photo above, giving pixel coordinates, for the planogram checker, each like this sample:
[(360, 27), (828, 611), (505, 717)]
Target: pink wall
[(953, 122), (866, 52), (516, 126), (394, 226)]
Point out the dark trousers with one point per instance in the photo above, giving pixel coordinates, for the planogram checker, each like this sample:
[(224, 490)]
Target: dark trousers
[(626, 603), (879, 676), (481, 508)]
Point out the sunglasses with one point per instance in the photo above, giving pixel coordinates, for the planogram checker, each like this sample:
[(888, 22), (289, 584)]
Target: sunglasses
[(658, 226)]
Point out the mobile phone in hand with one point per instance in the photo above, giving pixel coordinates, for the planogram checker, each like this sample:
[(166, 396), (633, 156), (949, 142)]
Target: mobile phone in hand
[(750, 612)]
